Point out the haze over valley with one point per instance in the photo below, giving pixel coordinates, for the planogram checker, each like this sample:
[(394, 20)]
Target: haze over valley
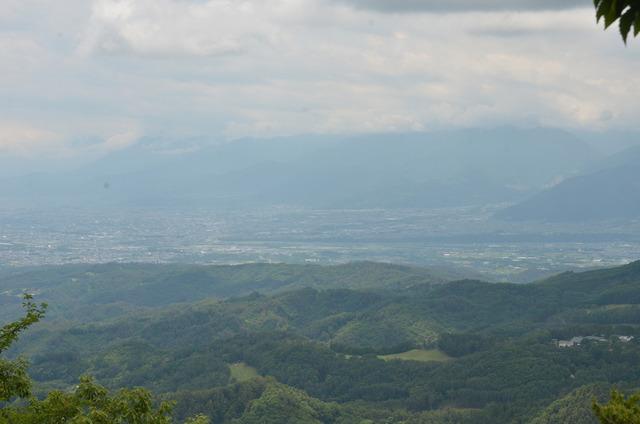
[(319, 212), (507, 203)]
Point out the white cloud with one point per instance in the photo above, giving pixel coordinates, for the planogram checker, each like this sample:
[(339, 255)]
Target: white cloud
[(227, 68), (119, 141), (169, 27), (465, 5), (22, 139), (19, 56)]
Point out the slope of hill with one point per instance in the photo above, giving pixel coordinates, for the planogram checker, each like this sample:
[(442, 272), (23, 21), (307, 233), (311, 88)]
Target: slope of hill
[(506, 365), (76, 291), (574, 408), (610, 192)]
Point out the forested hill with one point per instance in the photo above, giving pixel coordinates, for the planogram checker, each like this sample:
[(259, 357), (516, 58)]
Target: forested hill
[(406, 351), (611, 192), (107, 290), (601, 279)]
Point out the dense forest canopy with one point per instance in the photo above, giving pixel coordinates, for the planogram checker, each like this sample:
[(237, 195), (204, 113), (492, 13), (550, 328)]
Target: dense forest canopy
[(460, 352)]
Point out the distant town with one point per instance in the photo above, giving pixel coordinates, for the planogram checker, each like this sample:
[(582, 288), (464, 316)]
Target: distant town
[(462, 238)]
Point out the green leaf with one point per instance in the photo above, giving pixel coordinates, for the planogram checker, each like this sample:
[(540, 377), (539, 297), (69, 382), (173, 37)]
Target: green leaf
[(604, 7), (626, 21), (611, 14)]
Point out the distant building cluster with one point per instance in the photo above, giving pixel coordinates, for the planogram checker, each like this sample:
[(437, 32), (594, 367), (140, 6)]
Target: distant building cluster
[(577, 341)]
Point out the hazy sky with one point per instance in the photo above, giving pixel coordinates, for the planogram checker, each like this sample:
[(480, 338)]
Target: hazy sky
[(89, 76)]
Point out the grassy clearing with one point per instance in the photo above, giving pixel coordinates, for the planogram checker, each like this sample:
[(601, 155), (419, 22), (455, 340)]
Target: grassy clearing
[(420, 355), (241, 372)]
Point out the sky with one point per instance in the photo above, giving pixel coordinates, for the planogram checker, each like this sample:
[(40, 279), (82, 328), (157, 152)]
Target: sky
[(87, 77)]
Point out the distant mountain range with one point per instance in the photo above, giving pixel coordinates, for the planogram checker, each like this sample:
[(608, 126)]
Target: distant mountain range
[(439, 169), (610, 191)]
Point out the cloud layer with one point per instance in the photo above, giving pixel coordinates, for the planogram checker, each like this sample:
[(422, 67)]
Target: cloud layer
[(467, 5), (109, 69)]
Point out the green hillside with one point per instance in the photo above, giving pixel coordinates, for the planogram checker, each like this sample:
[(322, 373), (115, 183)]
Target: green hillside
[(323, 348), (109, 290), (574, 408)]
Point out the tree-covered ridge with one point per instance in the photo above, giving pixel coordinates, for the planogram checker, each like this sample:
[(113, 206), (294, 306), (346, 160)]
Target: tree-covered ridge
[(108, 290), (86, 403), (503, 338), (574, 408), (620, 409)]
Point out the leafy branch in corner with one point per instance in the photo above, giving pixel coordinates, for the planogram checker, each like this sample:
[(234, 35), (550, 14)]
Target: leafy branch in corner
[(33, 313), (627, 12), (87, 403)]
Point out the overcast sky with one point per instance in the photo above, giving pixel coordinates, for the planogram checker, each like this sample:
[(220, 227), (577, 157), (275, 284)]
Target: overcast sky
[(87, 76)]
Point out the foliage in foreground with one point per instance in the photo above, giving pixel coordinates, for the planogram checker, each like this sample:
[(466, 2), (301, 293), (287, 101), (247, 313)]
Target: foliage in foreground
[(627, 12), (505, 366), (91, 403), (14, 381), (619, 410), (88, 403)]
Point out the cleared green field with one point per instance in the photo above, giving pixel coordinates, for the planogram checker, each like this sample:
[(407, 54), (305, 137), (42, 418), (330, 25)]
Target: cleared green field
[(420, 355), (241, 372)]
